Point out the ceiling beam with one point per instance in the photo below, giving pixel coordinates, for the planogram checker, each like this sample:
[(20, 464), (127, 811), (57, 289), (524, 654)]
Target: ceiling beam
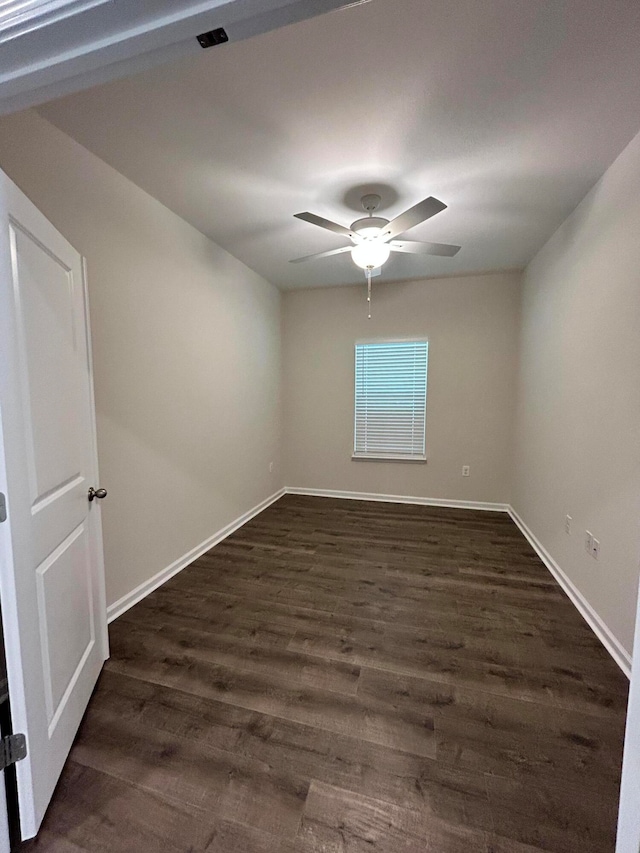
[(51, 48)]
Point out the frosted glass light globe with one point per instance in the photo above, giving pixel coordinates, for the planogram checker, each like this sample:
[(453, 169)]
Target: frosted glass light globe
[(370, 254)]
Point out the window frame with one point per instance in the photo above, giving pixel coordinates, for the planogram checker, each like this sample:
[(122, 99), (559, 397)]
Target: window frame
[(389, 457)]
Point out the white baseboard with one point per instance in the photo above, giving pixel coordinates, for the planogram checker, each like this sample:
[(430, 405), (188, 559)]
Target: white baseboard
[(617, 651), (398, 499), (122, 604)]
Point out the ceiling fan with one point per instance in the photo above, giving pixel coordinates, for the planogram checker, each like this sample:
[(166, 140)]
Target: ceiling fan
[(372, 237)]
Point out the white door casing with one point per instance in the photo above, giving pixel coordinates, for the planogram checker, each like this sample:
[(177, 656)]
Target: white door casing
[(628, 838), (51, 563)]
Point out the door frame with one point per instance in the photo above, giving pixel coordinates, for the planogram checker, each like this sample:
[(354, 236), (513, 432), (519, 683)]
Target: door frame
[(7, 603), (5, 841), (9, 812), (628, 836)]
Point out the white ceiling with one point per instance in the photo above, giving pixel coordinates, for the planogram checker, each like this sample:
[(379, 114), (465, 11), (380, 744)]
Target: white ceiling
[(507, 110)]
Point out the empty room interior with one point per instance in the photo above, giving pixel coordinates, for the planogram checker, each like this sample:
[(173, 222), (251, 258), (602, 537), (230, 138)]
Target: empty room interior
[(362, 367)]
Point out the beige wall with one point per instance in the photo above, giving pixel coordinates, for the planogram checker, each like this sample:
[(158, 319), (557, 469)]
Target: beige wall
[(471, 323), (577, 447), (186, 357)]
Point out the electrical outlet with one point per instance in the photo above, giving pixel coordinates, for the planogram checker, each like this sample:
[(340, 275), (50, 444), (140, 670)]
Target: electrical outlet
[(567, 524), (595, 547), (465, 470), (588, 542)]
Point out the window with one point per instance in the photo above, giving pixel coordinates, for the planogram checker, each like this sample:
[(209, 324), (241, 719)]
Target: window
[(391, 400)]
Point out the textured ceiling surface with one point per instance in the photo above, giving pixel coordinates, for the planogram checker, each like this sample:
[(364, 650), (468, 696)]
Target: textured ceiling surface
[(507, 110)]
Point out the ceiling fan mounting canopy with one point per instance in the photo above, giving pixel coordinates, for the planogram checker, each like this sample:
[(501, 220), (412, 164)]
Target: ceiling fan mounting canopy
[(370, 202)]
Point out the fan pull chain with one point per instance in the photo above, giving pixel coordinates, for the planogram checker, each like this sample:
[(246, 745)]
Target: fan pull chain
[(369, 293)]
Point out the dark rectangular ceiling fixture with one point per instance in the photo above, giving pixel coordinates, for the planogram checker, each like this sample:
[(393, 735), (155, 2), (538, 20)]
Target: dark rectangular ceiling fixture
[(213, 37)]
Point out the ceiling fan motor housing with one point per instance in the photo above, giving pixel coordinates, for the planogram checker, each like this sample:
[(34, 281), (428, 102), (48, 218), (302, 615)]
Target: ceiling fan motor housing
[(369, 222)]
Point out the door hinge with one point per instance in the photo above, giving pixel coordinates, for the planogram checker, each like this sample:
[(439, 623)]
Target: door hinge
[(12, 748), (3, 508)]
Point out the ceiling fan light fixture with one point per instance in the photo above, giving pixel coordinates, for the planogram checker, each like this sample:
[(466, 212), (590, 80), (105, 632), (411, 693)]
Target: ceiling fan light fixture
[(370, 254)]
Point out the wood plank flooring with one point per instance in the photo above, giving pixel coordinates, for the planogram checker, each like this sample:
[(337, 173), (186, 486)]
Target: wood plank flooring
[(342, 677)]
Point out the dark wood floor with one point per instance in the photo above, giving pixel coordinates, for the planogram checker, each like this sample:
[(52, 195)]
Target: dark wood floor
[(342, 677)]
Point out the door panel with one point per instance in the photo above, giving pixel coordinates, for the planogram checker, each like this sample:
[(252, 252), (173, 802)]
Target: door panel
[(44, 293), (66, 617), (51, 575)]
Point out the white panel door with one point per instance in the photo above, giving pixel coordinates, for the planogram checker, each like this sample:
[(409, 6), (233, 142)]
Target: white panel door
[(51, 570)]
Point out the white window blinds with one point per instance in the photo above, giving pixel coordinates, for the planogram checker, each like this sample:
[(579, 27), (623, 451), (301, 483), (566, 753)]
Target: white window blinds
[(391, 400)]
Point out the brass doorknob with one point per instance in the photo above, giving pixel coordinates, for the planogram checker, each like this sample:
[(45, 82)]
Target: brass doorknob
[(97, 493)]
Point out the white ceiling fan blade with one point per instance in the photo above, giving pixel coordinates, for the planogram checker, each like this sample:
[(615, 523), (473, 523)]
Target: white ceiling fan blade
[(445, 250), (326, 223), (414, 216), (321, 255)]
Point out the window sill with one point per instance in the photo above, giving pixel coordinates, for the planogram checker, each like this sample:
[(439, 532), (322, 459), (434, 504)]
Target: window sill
[(421, 460)]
